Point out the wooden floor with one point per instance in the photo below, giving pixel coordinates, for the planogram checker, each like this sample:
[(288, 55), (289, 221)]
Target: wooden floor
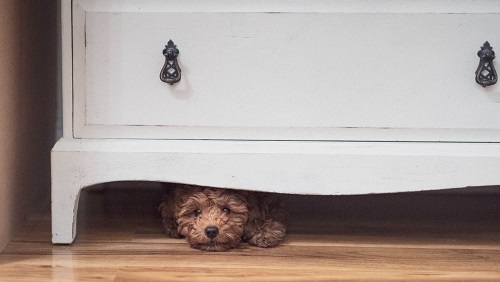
[(376, 237)]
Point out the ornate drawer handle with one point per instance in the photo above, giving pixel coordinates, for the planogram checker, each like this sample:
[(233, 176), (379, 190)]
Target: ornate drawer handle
[(171, 72), (486, 74)]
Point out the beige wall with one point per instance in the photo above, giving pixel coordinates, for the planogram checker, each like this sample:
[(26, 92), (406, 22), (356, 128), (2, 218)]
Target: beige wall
[(28, 85)]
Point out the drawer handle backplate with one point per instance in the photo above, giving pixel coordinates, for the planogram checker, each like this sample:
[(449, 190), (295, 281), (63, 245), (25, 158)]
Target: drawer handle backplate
[(486, 74), (171, 72)]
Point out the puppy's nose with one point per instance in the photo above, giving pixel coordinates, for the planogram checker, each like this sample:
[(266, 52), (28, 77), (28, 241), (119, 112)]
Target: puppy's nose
[(211, 232)]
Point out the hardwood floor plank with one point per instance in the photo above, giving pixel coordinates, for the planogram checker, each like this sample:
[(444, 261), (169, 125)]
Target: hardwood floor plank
[(125, 246), (172, 267), (300, 261)]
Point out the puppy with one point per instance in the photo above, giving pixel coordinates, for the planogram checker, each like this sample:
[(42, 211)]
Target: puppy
[(215, 219)]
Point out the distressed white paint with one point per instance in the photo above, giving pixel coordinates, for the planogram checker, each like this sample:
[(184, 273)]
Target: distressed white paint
[(286, 167), (306, 76), (66, 69), (415, 61), (293, 6)]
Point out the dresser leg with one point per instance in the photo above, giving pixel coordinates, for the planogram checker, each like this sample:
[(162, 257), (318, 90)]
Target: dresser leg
[(64, 209), (64, 214), (65, 194)]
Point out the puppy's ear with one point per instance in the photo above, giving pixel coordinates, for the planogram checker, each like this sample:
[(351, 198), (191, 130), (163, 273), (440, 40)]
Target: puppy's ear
[(186, 189), (181, 188), (243, 194)]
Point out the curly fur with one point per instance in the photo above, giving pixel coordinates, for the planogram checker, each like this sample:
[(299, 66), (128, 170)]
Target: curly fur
[(236, 216)]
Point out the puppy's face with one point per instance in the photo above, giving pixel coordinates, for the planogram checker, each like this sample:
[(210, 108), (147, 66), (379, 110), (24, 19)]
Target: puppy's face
[(212, 219)]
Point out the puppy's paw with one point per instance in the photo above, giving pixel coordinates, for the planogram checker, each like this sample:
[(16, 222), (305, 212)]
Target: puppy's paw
[(269, 235), (174, 233), (170, 229)]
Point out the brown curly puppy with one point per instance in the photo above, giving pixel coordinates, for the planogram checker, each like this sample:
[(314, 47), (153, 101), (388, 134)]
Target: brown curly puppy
[(215, 219)]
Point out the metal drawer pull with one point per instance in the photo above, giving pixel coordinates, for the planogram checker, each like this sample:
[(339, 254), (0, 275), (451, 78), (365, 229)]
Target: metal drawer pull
[(171, 72), (486, 74)]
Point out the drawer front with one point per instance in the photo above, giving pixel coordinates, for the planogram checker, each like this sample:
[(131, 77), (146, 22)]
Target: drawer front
[(279, 71)]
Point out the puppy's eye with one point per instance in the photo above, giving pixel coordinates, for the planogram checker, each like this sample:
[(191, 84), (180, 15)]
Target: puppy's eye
[(197, 212), (226, 210)]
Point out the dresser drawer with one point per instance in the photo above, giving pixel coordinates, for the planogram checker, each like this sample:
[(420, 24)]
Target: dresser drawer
[(284, 70)]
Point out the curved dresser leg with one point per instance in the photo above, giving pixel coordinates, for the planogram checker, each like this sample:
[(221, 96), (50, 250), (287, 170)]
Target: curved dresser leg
[(65, 194)]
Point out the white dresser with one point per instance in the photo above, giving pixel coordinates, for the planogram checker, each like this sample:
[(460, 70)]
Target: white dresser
[(289, 96)]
